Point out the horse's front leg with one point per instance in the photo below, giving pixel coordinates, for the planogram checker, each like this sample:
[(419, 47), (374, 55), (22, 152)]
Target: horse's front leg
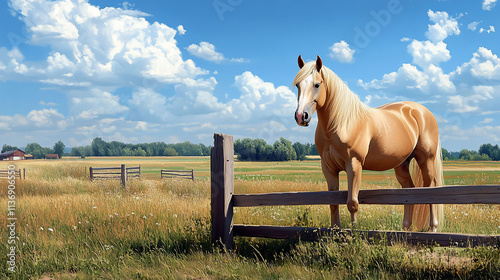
[(332, 179), (353, 170)]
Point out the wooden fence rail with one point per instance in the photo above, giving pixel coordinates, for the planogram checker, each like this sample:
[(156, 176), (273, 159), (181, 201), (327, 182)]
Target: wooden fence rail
[(5, 173), (122, 173), (223, 200), (184, 174)]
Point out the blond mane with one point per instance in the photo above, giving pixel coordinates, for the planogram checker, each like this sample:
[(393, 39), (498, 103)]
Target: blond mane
[(344, 105)]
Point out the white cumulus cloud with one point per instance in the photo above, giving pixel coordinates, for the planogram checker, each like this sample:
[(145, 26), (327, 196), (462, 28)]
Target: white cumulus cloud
[(488, 4), (425, 53), (482, 67), (491, 29), (206, 51), (341, 51), (443, 26), (181, 30), (473, 25), (110, 46)]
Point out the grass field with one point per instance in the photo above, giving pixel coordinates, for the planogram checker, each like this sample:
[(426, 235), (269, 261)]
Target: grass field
[(71, 228)]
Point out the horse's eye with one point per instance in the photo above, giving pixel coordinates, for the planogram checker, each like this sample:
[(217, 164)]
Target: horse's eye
[(317, 85)]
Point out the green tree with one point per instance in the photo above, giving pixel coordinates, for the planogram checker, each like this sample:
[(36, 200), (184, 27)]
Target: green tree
[(170, 152), (446, 154), (492, 151), (35, 150), (313, 150), (59, 148), (205, 151), (139, 152), (6, 148), (98, 147), (127, 152), (300, 150), (245, 149), (472, 155), (283, 150)]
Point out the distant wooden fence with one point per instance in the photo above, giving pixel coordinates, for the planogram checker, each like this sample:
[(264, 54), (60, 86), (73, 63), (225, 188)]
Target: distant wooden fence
[(5, 173), (224, 200), (118, 173), (184, 174)]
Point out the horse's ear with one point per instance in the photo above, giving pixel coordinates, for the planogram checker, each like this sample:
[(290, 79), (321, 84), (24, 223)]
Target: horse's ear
[(319, 63), (300, 61)]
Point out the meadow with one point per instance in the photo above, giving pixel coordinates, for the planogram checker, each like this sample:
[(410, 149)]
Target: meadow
[(69, 227)]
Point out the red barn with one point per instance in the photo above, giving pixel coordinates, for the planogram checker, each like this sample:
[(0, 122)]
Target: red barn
[(51, 156), (13, 155)]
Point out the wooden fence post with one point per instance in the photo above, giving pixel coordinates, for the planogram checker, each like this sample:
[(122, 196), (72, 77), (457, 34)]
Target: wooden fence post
[(192, 174), (222, 189), (124, 175), (24, 173), (91, 171)]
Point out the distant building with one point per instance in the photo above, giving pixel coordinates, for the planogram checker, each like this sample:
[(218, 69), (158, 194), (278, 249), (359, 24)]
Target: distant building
[(13, 155), (28, 156), (51, 156)]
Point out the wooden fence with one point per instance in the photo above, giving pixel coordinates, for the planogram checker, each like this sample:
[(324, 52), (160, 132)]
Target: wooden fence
[(17, 173), (223, 200), (118, 173), (184, 174)]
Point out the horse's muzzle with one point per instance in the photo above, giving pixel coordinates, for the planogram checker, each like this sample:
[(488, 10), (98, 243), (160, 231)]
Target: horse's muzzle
[(302, 119)]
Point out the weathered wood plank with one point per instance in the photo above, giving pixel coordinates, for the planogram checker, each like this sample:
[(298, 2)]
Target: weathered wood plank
[(105, 168), (107, 177), (106, 173), (484, 194), (184, 174), (311, 234), (124, 176), (222, 189)]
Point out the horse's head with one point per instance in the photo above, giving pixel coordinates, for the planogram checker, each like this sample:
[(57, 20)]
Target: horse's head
[(311, 90)]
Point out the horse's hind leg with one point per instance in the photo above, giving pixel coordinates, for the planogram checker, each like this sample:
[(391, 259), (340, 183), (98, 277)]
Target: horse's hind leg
[(404, 178), (429, 180)]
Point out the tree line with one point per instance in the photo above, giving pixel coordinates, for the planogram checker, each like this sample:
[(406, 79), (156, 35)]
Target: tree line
[(37, 151), (282, 150), (99, 147), (246, 149), (485, 152)]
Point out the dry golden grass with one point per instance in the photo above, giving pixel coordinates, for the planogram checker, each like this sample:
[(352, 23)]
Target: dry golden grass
[(98, 229)]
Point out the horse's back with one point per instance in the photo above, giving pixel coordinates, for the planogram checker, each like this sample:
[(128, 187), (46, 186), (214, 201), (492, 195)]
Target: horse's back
[(397, 129), (416, 115)]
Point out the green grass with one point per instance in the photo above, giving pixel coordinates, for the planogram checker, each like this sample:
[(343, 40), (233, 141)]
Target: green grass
[(71, 228)]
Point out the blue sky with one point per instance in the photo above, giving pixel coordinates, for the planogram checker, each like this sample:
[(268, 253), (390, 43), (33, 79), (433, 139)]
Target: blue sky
[(173, 71)]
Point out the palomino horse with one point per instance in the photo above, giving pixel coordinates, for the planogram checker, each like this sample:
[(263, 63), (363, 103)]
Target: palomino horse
[(350, 137)]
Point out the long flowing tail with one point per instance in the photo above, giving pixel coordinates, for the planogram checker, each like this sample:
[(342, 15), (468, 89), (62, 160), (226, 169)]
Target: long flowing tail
[(421, 212)]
